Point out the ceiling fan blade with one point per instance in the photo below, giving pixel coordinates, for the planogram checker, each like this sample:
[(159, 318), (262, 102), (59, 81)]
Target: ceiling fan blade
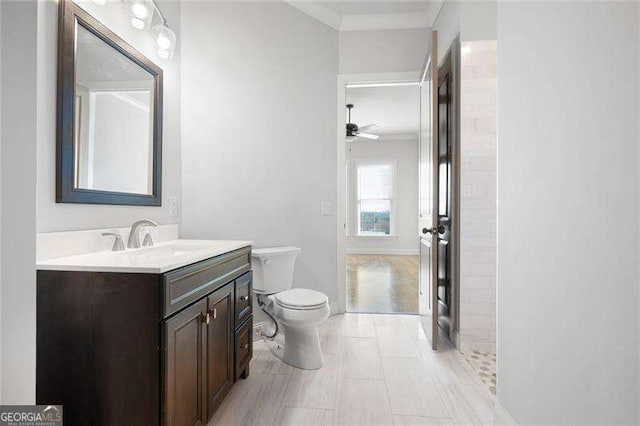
[(367, 136), (367, 127)]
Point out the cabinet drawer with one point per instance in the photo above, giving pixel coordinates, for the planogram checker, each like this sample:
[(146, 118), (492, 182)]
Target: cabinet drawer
[(244, 298), (186, 285), (244, 347)]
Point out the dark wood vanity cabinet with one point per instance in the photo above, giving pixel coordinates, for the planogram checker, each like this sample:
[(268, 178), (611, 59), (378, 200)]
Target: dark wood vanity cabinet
[(144, 349)]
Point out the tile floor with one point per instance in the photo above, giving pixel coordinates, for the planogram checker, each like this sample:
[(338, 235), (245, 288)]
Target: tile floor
[(484, 365), (378, 370), (382, 283)]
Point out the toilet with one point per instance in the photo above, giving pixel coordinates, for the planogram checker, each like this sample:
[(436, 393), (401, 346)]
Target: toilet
[(297, 312)]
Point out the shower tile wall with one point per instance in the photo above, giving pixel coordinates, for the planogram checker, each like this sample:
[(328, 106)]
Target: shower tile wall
[(478, 197)]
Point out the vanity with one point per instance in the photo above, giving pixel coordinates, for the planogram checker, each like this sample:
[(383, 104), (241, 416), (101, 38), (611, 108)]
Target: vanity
[(149, 336)]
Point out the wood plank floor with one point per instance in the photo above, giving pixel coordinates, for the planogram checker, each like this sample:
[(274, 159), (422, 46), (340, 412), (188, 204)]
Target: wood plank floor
[(378, 370), (382, 283)]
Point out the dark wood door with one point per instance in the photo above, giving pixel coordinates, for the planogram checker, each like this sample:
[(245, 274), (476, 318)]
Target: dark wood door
[(220, 319), (444, 175), (185, 372)]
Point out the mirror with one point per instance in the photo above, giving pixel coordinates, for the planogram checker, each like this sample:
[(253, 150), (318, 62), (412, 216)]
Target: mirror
[(109, 117)]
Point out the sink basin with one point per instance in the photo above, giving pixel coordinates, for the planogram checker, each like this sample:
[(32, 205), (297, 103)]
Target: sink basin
[(158, 259), (169, 249)]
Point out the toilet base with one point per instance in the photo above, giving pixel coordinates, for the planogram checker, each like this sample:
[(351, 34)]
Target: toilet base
[(298, 346)]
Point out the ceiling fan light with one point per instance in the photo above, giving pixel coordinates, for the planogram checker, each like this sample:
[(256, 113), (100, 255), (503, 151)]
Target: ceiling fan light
[(368, 136)]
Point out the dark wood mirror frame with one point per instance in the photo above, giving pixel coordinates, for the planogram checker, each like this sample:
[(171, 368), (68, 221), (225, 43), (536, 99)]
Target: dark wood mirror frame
[(66, 192)]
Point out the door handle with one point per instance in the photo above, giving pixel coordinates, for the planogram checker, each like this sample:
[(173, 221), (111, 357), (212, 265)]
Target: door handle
[(440, 229)]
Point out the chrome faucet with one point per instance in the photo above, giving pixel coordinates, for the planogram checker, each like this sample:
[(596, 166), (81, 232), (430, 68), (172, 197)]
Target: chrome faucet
[(118, 245), (134, 238)]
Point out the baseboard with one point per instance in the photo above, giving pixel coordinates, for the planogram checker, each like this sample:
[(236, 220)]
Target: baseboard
[(405, 252)]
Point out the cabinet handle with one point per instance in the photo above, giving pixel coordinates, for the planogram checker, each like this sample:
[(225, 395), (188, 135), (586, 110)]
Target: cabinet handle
[(244, 297), (207, 318), (215, 313)]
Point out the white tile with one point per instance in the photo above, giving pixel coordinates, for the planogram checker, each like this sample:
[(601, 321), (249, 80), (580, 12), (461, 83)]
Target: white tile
[(351, 325), (254, 401), (363, 402), (267, 363), (314, 388), (288, 416), (394, 339), (469, 404), (361, 359), (420, 421), (447, 365), (412, 390)]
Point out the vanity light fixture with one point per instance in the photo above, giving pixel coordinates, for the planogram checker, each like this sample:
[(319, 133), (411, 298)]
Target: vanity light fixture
[(166, 40), (141, 14)]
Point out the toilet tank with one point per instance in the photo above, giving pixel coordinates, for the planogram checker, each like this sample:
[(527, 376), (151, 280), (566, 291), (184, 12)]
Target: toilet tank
[(273, 269)]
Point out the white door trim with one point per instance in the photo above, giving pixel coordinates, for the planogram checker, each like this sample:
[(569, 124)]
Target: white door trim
[(341, 205)]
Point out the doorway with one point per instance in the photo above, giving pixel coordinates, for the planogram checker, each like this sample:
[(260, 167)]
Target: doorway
[(380, 189)]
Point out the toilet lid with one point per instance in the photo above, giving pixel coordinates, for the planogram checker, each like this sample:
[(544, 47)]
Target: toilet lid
[(301, 298)]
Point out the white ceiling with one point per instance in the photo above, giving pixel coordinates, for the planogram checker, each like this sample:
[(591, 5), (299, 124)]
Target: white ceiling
[(395, 109), (358, 15), (347, 8)]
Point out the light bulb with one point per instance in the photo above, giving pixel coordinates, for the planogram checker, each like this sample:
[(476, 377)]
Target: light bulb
[(137, 23), (164, 42), (140, 10)]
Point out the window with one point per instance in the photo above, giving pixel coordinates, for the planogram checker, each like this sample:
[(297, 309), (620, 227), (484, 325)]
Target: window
[(375, 197)]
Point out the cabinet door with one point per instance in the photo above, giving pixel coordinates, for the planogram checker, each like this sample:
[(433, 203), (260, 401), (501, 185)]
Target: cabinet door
[(219, 346), (184, 368)]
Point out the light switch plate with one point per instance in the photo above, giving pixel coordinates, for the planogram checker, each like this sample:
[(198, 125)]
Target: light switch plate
[(173, 206), (326, 208)]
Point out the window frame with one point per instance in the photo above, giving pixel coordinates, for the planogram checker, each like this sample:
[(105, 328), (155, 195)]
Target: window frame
[(358, 162)]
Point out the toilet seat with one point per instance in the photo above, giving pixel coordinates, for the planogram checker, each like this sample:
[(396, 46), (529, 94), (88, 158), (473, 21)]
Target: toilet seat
[(301, 299)]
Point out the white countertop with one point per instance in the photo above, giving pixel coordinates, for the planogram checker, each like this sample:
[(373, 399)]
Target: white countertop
[(160, 258)]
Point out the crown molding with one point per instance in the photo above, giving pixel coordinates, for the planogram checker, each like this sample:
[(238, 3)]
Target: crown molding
[(391, 21), (318, 12)]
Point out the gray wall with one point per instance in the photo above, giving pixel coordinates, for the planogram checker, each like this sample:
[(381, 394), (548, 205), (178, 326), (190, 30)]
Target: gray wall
[(383, 50), (259, 148), (65, 217), (18, 209), (568, 212)]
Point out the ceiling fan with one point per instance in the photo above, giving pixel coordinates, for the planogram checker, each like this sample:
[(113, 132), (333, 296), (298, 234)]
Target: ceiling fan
[(354, 132)]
